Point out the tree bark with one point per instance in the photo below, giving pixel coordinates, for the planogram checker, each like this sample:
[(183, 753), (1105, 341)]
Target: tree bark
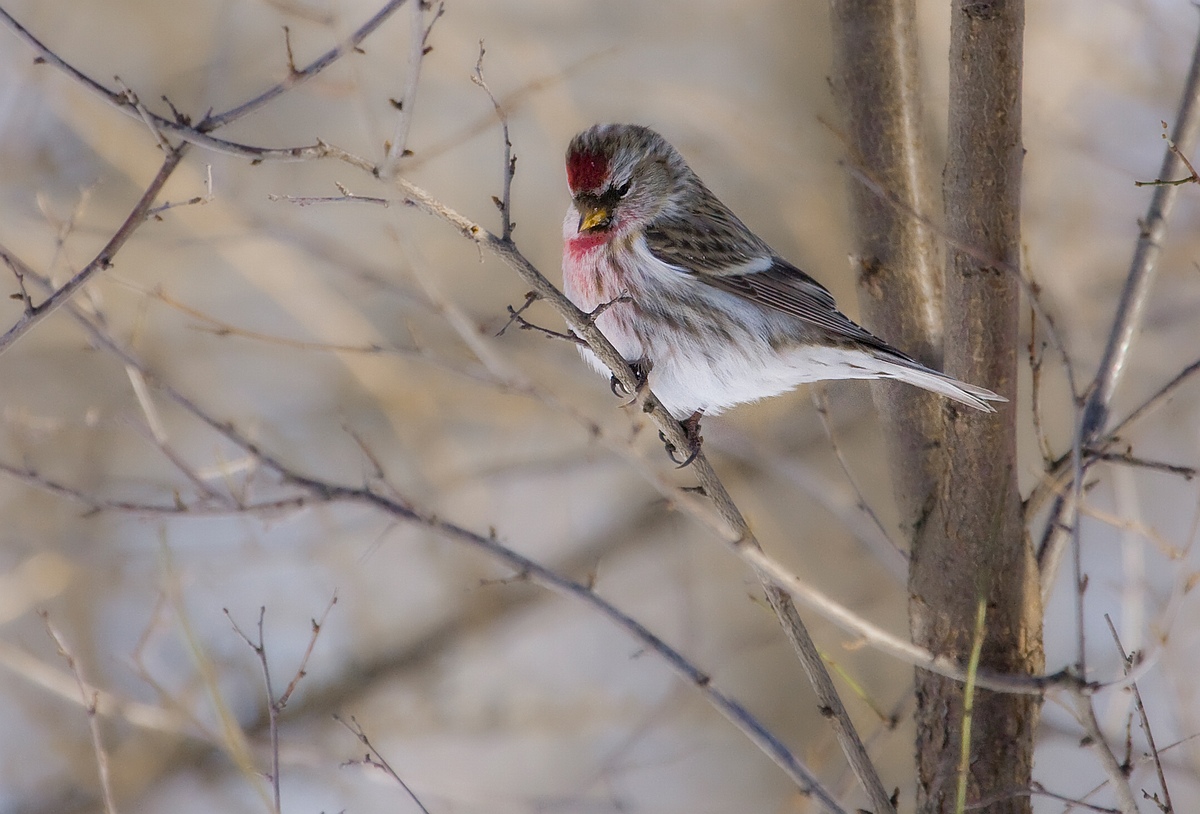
[(877, 80), (972, 547), (955, 469)]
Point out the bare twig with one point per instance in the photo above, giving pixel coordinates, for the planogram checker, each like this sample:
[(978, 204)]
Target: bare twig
[(301, 671), (418, 47), (1128, 660), (22, 294), (504, 203), (144, 716), (1129, 313), (1191, 178), (179, 125), (299, 76), (1038, 789), (1145, 258), (821, 402), (103, 260), (375, 759), (1108, 761), (1156, 400), (1036, 358), (345, 197), (260, 650), (1187, 472), (275, 705), (90, 698)]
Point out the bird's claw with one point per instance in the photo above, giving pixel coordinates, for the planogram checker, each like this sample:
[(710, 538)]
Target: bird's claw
[(691, 428), (641, 370)]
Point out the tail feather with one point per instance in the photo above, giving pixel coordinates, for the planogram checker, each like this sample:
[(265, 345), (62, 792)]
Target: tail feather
[(926, 378)]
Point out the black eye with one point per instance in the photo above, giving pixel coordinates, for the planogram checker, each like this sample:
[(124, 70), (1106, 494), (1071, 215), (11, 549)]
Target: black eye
[(623, 190)]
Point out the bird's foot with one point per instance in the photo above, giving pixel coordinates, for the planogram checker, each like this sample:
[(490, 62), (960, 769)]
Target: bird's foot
[(641, 370), (691, 427)]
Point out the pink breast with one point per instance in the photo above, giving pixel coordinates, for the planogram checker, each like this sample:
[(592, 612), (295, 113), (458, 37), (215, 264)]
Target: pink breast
[(588, 275), (583, 243)]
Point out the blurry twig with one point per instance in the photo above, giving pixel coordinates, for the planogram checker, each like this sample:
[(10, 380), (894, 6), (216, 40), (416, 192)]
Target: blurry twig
[(1086, 715), (90, 697), (197, 200), (504, 203), (1128, 660), (134, 713), (127, 101), (1036, 788), (821, 402), (1130, 309), (1186, 472), (102, 260), (375, 759), (418, 47), (275, 705)]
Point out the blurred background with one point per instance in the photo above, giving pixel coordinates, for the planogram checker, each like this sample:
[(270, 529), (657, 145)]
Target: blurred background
[(359, 343)]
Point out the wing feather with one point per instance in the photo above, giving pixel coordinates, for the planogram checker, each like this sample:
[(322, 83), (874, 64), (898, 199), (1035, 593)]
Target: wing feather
[(717, 249)]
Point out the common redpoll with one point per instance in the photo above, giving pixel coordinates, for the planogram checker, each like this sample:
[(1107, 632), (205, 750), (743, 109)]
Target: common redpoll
[(696, 301)]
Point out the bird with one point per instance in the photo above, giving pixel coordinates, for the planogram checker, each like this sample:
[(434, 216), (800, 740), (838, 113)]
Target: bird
[(706, 313)]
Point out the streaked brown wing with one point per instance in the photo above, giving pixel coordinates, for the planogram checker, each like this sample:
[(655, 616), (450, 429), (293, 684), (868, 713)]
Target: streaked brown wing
[(781, 286), (789, 290), (717, 248)]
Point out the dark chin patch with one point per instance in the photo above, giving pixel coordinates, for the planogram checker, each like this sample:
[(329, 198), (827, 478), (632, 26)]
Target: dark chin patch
[(586, 170)]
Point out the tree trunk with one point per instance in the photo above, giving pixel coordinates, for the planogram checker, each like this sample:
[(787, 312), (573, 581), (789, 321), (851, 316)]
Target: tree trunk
[(972, 547), (955, 469)]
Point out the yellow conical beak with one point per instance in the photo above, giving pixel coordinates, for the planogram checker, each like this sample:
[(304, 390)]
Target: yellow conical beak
[(596, 217)]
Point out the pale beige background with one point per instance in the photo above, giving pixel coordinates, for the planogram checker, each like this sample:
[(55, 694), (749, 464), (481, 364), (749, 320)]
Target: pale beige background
[(488, 696)]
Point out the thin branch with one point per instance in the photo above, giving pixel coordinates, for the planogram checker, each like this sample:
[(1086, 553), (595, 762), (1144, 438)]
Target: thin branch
[(821, 403), (376, 759), (1160, 396), (103, 260), (1187, 472), (140, 715), (179, 125), (301, 671), (196, 200), (1128, 660), (260, 650), (90, 698), (1037, 788), (296, 77), (1036, 358), (1142, 269), (504, 204), (1130, 310), (1191, 178), (1108, 761), (345, 197), (418, 47), (22, 294)]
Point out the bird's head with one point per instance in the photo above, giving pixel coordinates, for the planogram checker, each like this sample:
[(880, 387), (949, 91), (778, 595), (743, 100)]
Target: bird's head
[(621, 176)]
